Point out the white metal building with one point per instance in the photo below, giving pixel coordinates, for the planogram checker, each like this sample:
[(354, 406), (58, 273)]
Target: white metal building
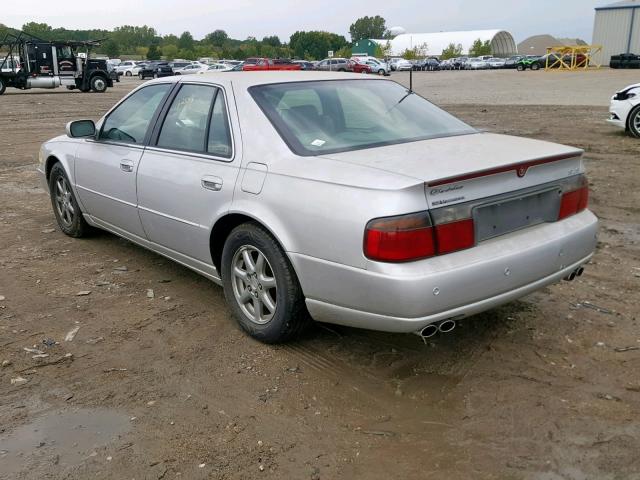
[(617, 29), (502, 42)]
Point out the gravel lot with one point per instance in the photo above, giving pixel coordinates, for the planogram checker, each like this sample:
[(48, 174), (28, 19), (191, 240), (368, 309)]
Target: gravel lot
[(547, 387)]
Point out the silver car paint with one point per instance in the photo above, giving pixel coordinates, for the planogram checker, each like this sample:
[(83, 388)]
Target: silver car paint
[(317, 208)]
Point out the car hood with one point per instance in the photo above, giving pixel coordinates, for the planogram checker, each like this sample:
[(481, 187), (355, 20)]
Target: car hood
[(449, 157)]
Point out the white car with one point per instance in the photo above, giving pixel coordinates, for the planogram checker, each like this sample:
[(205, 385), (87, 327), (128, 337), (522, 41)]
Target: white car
[(403, 64), (624, 111), (476, 64), (128, 68), (191, 69), (496, 62), (217, 67)]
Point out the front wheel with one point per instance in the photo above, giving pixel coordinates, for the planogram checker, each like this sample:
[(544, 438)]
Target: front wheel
[(535, 66), (98, 84), (155, 75), (381, 72), (3, 87), (261, 287), (634, 122), (127, 74), (65, 205), (140, 76), (520, 68)]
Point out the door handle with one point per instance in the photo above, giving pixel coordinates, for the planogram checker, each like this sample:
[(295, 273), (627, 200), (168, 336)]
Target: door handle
[(211, 183), (126, 166)]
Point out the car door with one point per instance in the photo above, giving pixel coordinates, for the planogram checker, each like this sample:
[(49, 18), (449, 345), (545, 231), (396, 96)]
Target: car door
[(187, 175), (105, 166)]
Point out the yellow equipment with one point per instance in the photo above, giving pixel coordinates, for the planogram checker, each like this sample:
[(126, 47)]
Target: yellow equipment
[(573, 57)]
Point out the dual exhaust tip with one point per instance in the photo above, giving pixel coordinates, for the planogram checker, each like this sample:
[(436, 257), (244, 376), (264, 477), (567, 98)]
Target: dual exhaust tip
[(576, 273), (430, 330)]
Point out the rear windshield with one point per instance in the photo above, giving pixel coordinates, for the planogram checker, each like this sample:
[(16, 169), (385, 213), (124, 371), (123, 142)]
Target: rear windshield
[(332, 116)]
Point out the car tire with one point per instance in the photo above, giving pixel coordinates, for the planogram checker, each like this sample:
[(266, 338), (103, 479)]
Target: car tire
[(99, 84), (520, 68), (535, 66), (140, 76), (127, 74), (3, 87), (275, 322), (381, 72), (634, 122), (155, 75), (65, 206)]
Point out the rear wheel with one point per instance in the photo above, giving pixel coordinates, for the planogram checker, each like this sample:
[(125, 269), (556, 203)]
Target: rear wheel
[(261, 286), (535, 66), (127, 74), (65, 206), (381, 72), (3, 86), (520, 68), (634, 122), (99, 84), (140, 76)]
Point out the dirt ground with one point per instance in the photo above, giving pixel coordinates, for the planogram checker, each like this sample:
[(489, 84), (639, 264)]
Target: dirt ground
[(547, 387)]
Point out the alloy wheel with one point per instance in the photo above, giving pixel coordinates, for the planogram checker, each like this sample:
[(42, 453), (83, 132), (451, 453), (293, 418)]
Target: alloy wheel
[(254, 284), (64, 202)]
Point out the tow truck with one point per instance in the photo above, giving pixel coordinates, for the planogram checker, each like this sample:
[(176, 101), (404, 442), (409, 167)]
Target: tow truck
[(29, 62)]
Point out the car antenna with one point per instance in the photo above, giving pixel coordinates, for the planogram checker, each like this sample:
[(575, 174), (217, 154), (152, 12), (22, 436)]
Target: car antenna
[(411, 80)]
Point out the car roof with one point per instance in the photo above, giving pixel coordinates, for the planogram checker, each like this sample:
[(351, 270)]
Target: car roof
[(247, 80)]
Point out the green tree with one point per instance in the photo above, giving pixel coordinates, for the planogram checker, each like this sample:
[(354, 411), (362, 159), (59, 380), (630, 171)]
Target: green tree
[(185, 42), (344, 52), (153, 53), (273, 40), (452, 51), (170, 51), (315, 44), (216, 38), (419, 51), (368, 27), (383, 50), (110, 48), (40, 30), (480, 48)]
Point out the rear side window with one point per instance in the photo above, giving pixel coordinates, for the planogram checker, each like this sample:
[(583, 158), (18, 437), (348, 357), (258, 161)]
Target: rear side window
[(197, 122), (129, 122)]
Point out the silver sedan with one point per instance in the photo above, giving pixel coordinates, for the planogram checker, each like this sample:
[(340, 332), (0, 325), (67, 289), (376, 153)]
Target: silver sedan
[(334, 197)]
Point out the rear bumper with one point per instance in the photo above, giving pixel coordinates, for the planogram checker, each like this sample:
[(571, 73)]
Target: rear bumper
[(407, 297)]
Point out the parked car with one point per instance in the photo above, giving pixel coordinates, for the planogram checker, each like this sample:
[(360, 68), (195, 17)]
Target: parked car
[(155, 70), (357, 67), (496, 62), (624, 111), (400, 64), (446, 64), (411, 219), (377, 66), (429, 64), (112, 72), (476, 64), (178, 65), (460, 63), (512, 61), (305, 65), (216, 67), (259, 64), (191, 69), (128, 68), (333, 65)]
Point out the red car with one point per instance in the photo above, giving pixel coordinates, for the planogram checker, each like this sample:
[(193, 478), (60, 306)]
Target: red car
[(357, 67), (261, 64)]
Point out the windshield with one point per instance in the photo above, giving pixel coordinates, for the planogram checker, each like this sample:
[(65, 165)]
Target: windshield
[(332, 116)]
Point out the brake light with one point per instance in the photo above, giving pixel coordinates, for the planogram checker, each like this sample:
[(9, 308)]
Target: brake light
[(574, 201), (454, 236), (413, 237), (399, 239)]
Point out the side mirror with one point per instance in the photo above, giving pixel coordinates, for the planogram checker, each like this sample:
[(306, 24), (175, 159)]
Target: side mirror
[(81, 128)]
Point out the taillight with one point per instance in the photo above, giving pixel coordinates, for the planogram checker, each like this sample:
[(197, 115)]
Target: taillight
[(413, 237), (399, 239), (575, 199)]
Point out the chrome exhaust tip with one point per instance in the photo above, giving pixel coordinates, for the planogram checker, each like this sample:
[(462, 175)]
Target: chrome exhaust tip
[(446, 326), (428, 331), (579, 272)]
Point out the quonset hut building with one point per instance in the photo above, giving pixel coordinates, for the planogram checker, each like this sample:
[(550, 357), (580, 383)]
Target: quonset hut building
[(502, 42)]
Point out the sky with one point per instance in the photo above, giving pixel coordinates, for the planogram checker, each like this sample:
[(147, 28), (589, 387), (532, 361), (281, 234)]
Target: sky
[(243, 18)]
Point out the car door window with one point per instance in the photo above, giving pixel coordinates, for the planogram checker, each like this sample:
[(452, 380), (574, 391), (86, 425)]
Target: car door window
[(129, 122), (219, 142), (186, 124)]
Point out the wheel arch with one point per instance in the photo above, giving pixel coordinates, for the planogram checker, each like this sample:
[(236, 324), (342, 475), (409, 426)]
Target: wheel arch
[(48, 165), (635, 109), (223, 227)]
